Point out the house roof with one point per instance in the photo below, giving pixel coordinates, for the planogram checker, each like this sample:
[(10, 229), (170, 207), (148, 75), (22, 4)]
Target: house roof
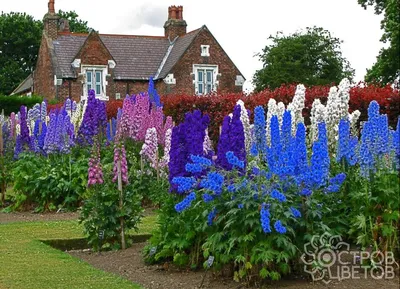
[(24, 86), (137, 57)]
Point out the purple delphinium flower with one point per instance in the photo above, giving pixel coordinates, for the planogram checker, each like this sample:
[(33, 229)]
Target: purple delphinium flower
[(231, 139), (94, 120)]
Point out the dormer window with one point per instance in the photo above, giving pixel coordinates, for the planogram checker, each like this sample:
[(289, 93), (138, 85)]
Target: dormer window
[(205, 78), (95, 78), (205, 50)]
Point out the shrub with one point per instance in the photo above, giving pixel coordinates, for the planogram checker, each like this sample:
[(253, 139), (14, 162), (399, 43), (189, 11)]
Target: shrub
[(13, 103)]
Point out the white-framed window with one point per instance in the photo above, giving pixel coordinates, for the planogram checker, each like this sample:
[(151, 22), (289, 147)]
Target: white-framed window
[(95, 78), (205, 78), (205, 50)]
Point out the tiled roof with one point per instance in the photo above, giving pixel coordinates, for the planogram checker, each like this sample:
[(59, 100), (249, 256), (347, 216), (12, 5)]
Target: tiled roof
[(178, 49), (24, 85), (137, 57), (65, 49)]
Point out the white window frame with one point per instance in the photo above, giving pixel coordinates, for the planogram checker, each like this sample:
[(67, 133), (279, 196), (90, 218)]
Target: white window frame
[(205, 50), (205, 85), (103, 69)]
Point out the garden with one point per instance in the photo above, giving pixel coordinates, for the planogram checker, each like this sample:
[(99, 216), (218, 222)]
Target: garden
[(275, 188)]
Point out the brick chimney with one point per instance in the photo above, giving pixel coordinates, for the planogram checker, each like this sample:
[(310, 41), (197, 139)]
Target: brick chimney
[(175, 25), (50, 21)]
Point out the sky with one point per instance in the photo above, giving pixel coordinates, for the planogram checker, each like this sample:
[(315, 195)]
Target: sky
[(241, 27)]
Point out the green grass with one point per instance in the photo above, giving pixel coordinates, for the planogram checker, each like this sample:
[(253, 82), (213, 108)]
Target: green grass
[(25, 262)]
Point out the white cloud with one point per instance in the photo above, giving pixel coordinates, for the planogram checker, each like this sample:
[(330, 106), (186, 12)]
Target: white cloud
[(241, 27)]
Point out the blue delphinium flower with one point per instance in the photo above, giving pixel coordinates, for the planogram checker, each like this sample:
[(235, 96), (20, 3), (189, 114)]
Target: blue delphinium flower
[(231, 188), (274, 151), (319, 168), (211, 216), (259, 129), (193, 168), (338, 179), (240, 206), (305, 192), (184, 183), (278, 195), (254, 150), (265, 219), (233, 160), (180, 207), (300, 155), (213, 182), (207, 198), (153, 94), (279, 227), (296, 213), (224, 144), (255, 171), (333, 188), (366, 159), (204, 162)]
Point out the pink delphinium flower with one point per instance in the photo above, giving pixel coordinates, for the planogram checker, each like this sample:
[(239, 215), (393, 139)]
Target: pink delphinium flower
[(95, 171), (150, 147), (120, 155), (165, 159)]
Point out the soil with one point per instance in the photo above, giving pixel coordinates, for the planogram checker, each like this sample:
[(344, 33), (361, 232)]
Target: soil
[(130, 265), (31, 217)]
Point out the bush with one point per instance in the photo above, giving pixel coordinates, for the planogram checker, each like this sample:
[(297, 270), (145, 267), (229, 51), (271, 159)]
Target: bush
[(13, 103), (50, 182)]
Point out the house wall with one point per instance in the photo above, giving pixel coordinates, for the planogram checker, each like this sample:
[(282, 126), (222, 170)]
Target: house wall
[(94, 52), (43, 78), (183, 69)]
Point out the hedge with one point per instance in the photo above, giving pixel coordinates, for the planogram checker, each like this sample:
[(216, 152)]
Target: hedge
[(217, 106), (13, 103)]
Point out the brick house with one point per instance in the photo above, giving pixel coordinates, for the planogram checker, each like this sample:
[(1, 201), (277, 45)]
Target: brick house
[(69, 64)]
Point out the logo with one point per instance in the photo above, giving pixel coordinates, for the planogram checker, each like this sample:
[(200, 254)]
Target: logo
[(328, 258)]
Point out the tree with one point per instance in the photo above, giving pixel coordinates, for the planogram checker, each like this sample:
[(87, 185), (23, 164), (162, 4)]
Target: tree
[(20, 36), (386, 69), (75, 24), (310, 57), (19, 44)]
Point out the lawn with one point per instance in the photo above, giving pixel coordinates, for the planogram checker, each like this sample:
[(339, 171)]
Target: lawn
[(25, 262)]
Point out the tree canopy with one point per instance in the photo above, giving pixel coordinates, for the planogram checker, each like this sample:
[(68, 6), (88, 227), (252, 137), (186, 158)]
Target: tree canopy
[(20, 36), (387, 66), (311, 57)]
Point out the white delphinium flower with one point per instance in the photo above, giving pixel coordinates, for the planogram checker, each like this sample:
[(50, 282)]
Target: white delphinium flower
[(207, 144), (337, 108), (77, 116), (296, 107), (244, 118), (353, 118), (165, 159), (17, 129), (280, 111), (150, 147), (272, 110), (318, 114)]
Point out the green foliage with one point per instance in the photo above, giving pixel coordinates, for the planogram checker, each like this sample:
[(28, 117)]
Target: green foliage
[(19, 44), (236, 238), (13, 103), (48, 183), (75, 24), (311, 57), (375, 218), (179, 237), (101, 212), (387, 66)]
